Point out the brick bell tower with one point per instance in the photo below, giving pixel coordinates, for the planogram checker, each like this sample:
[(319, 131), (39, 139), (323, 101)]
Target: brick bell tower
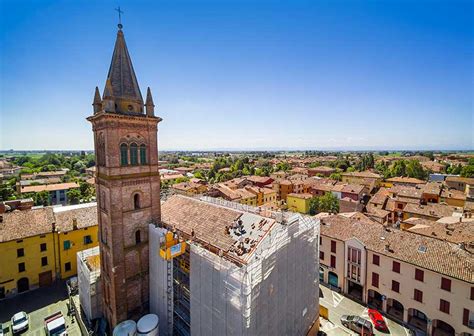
[(127, 186)]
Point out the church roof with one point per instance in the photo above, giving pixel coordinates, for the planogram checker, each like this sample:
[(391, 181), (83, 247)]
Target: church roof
[(123, 80)]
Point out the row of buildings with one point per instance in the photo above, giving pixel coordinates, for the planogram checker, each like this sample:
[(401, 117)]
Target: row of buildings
[(425, 281), (39, 245)]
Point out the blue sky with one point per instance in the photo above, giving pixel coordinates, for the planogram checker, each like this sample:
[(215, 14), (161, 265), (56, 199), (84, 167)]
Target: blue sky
[(246, 74)]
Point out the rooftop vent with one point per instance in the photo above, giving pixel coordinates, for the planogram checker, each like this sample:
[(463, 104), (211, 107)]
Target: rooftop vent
[(422, 249)]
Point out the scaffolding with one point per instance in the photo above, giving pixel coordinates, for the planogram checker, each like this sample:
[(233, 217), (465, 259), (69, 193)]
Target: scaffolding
[(88, 273), (275, 292)]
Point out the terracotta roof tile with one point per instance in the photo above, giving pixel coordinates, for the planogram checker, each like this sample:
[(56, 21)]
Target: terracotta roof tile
[(440, 256)]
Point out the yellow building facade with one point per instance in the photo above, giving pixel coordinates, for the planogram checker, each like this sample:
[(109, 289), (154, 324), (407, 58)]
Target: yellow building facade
[(27, 263), (77, 230), (298, 202), (32, 245)]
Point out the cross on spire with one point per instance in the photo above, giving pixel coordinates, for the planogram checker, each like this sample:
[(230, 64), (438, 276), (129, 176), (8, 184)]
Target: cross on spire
[(120, 12)]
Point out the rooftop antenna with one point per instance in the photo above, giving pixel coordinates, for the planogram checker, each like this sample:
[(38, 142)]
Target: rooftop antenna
[(120, 12)]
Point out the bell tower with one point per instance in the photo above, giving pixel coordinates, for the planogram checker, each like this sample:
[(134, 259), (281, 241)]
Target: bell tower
[(127, 186)]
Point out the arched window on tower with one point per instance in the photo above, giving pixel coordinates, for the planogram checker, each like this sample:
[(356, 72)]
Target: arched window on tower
[(136, 201), (123, 154), (138, 238), (133, 154), (142, 154)]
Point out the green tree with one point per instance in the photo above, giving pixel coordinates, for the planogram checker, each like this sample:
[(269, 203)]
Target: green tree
[(6, 192), (336, 176), (74, 196), (285, 166), (87, 191), (41, 198), (468, 171), (200, 175), (398, 168), (79, 166), (326, 203), (415, 169)]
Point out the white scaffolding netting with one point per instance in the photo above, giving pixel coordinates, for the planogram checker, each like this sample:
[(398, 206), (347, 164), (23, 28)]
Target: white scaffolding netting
[(276, 293)]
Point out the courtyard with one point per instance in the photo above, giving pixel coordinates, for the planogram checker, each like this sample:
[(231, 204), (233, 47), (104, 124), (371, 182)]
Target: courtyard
[(38, 304)]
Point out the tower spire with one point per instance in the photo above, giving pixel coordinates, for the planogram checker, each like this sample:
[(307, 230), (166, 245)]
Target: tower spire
[(150, 106), (123, 81), (97, 103)]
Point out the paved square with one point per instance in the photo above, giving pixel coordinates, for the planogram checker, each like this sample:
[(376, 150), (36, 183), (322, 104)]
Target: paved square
[(38, 304)]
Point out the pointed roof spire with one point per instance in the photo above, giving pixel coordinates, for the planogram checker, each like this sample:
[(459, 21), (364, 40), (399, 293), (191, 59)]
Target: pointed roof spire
[(97, 99), (149, 98), (123, 81), (108, 91)]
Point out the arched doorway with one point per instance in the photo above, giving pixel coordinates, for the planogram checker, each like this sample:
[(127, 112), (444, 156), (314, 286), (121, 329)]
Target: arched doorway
[(441, 328), (395, 309), (374, 299), (417, 319), (23, 285), (333, 279)]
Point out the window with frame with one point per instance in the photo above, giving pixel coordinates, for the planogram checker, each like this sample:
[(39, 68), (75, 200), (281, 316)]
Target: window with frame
[(354, 255), (321, 255), (43, 247), (472, 293), (446, 284), (20, 253), (44, 261), (123, 154), (333, 246), (418, 295), (138, 238), (134, 154), (353, 272), (67, 244), (465, 317), (67, 266), (375, 279), (419, 274), (396, 267), (333, 261), (376, 259), (396, 286), (21, 267), (87, 240), (143, 154), (444, 306)]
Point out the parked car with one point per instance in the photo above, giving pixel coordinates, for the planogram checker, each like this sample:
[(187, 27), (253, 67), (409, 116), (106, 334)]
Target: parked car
[(358, 324), (377, 320), (20, 322)]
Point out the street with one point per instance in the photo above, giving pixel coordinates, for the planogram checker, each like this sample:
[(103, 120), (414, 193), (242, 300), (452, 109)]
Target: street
[(339, 305), (38, 304)]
